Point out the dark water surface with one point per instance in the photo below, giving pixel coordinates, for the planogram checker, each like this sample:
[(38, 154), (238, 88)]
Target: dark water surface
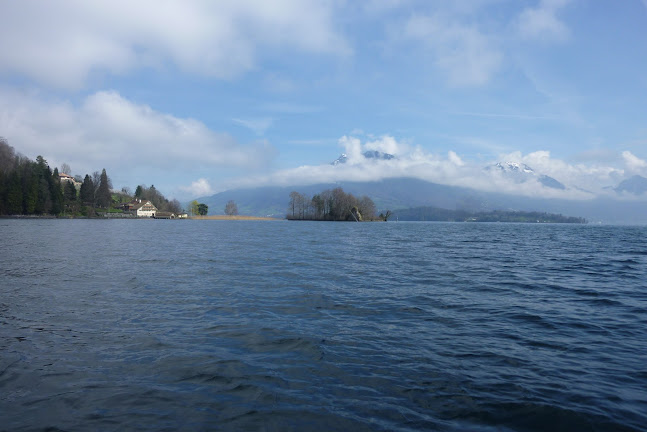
[(221, 325)]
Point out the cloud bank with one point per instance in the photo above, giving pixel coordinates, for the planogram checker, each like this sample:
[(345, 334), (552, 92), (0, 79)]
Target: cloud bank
[(61, 42), (453, 170)]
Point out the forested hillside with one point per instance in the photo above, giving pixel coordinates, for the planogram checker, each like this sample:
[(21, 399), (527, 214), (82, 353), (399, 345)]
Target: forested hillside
[(32, 188)]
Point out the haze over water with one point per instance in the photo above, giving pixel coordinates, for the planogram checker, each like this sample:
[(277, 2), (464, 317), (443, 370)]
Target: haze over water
[(203, 325)]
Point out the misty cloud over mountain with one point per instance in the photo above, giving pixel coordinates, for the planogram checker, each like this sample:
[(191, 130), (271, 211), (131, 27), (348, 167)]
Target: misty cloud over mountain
[(536, 174), (522, 173), (409, 177)]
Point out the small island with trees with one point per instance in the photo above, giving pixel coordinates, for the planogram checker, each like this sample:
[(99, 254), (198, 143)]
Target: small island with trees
[(333, 205)]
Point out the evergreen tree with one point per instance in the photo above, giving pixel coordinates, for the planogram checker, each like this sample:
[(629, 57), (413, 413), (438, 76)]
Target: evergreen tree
[(44, 195), (56, 193), (14, 194), (203, 209), (69, 192), (30, 189), (43, 200), (87, 191), (104, 196)]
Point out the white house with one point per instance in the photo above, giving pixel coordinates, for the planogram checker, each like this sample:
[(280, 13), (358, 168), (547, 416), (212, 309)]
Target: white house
[(141, 208), (68, 178)]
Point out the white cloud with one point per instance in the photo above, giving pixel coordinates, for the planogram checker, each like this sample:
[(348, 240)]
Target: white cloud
[(451, 170), (352, 149), (467, 56), (594, 176), (634, 163), (386, 144), (541, 23), (198, 188), (107, 130), (61, 42), (583, 181), (455, 159)]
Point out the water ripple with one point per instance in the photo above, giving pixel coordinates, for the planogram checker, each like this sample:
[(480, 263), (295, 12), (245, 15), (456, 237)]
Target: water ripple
[(312, 326)]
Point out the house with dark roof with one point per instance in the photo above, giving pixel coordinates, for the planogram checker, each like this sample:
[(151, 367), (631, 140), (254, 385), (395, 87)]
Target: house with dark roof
[(164, 215)]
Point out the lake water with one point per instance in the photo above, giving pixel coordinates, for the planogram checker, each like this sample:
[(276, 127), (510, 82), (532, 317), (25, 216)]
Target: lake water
[(236, 325)]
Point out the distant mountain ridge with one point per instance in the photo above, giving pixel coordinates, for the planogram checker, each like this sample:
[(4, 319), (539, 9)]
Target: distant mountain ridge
[(636, 185)]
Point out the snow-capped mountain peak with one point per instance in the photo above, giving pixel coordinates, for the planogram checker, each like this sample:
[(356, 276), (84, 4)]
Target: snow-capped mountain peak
[(340, 160), (521, 172), (514, 167)]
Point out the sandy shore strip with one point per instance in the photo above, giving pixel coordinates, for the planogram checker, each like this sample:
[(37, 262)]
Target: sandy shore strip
[(225, 217)]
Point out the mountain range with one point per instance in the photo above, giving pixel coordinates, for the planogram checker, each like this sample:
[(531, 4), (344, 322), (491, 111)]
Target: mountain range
[(406, 193)]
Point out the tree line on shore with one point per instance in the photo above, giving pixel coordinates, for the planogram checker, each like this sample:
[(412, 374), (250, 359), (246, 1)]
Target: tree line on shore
[(332, 205), (435, 214), (32, 188)]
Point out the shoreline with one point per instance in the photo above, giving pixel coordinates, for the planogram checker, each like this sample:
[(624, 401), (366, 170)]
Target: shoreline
[(215, 217)]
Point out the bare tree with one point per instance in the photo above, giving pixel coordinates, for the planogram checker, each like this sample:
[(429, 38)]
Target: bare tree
[(317, 204), (326, 197), (294, 203), (367, 208), (301, 204), (385, 216), (65, 169), (174, 206), (342, 203), (96, 182), (231, 209), (7, 156)]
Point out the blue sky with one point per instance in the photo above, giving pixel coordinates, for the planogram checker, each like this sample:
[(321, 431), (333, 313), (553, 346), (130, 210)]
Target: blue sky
[(201, 96)]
